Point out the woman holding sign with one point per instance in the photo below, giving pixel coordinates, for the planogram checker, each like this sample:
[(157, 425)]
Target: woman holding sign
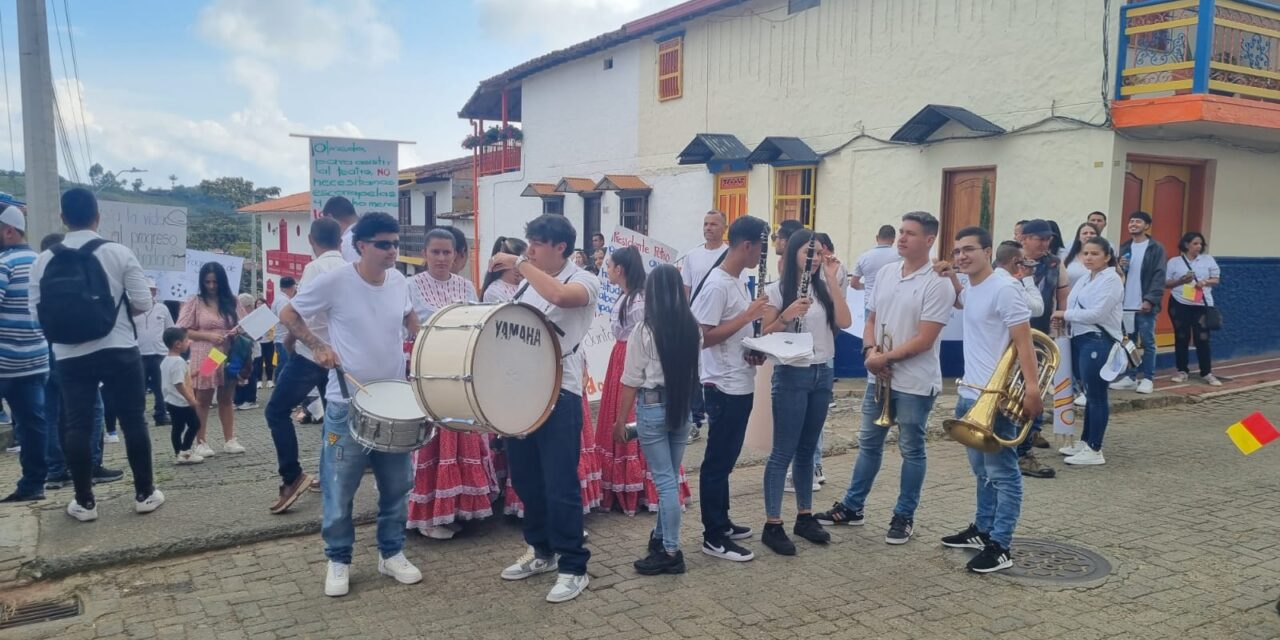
[(626, 478), (1192, 275), (210, 319)]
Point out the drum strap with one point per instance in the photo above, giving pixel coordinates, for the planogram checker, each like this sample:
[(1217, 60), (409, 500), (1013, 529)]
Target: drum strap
[(520, 293)]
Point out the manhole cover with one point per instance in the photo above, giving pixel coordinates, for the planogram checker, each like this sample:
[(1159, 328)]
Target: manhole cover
[(37, 611), (1054, 562)]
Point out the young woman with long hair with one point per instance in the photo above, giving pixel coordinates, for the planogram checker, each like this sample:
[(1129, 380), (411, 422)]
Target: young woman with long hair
[(1193, 267), (1075, 267), (210, 318), (1093, 315), (623, 470), (658, 378), (453, 476), (501, 286), (801, 393)]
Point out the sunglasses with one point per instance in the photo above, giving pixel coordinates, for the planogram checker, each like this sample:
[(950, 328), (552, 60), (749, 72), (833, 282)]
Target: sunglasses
[(385, 245)]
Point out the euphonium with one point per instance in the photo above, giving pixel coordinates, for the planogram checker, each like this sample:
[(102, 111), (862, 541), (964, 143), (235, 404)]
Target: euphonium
[(884, 387), (1004, 394)]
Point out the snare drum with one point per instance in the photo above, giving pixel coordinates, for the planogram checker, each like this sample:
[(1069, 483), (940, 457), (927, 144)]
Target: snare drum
[(491, 368), (386, 417)]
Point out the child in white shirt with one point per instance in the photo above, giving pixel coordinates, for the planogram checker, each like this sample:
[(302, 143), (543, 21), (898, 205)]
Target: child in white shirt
[(175, 383)]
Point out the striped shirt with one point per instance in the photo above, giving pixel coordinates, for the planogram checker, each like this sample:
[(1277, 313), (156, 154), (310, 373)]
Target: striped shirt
[(23, 350)]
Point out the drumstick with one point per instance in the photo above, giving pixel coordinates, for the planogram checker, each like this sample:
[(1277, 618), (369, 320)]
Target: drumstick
[(359, 387)]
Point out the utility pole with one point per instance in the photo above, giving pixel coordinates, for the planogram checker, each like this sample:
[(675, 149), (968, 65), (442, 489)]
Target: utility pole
[(39, 141)]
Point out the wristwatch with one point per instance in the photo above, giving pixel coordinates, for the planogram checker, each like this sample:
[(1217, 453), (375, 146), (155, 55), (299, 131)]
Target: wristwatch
[(519, 261)]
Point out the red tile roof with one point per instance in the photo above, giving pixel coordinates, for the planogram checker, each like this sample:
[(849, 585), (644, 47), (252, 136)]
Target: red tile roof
[(445, 167), (540, 190), (576, 185), (618, 182), (292, 203)]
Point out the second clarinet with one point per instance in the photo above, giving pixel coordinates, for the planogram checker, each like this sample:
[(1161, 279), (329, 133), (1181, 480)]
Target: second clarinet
[(805, 277)]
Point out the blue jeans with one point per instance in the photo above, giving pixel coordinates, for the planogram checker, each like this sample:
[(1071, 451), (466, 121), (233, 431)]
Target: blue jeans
[(1144, 325), (544, 473), (726, 427), (911, 412), (293, 383), (1091, 351), (151, 371), (25, 397), (999, 482), (282, 357), (1025, 446), (664, 451), (342, 465), (801, 396)]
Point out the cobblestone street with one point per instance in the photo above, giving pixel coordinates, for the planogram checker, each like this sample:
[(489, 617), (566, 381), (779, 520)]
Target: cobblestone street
[(1188, 524)]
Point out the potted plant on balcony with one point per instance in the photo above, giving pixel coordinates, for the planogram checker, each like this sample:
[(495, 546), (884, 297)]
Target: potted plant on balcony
[(512, 133), (472, 141), (492, 135)]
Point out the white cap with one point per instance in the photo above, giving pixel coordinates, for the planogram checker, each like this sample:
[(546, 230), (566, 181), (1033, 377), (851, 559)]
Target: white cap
[(13, 217)]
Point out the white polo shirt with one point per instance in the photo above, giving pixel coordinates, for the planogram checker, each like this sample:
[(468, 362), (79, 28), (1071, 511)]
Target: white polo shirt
[(724, 297), (900, 303)]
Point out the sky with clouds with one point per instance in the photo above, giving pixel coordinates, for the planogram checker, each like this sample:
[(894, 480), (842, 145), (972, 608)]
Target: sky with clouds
[(202, 89)]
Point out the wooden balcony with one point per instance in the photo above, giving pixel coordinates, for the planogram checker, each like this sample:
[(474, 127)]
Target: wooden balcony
[(498, 158)]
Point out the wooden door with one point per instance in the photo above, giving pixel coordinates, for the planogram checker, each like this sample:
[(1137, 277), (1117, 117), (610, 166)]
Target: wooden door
[(968, 199), (1164, 191), (590, 219)]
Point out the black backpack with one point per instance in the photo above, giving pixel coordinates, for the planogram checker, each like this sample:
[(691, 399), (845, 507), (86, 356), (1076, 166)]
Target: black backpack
[(76, 305)]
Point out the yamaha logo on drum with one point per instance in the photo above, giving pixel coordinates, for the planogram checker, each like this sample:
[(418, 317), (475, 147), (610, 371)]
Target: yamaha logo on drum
[(506, 330)]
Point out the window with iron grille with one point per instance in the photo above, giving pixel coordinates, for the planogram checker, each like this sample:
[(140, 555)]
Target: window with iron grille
[(670, 68), (553, 205), (405, 214), (635, 213)]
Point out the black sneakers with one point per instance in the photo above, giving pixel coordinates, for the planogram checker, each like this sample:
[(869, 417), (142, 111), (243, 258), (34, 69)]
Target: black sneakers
[(658, 562), (103, 475), (970, 538), (775, 537), (737, 532), (727, 550), (53, 483), (807, 527), (992, 558), (655, 544), (899, 530), (840, 514)]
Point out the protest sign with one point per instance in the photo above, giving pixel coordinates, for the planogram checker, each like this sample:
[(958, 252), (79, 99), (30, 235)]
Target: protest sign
[(363, 171), (180, 285), (157, 234)]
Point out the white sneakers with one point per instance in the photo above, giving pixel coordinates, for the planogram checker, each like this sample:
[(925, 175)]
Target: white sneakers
[(568, 587), (789, 485), (1145, 386), (1073, 448), (1081, 400), (400, 568), (1213, 380), (529, 564), (151, 503), (1179, 377), (337, 578), (112, 438), (203, 450), (80, 513), (1124, 384), (437, 533), (189, 457), (233, 446), (1087, 456)]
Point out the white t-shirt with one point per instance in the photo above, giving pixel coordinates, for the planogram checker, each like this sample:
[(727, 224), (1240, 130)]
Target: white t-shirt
[(319, 325), (151, 326), (282, 299), (900, 304), (870, 263), (1133, 279), (815, 323), (365, 323), (173, 371), (573, 322), (349, 252), (698, 261), (723, 365), (1204, 267), (990, 309), (1076, 270)]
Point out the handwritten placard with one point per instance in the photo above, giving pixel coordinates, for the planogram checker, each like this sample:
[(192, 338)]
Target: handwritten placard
[(180, 285), (363, 171), (652, 253), (157, 234)]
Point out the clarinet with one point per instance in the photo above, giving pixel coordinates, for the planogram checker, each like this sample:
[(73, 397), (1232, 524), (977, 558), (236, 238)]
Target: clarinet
[(804, 281), (762, 273)]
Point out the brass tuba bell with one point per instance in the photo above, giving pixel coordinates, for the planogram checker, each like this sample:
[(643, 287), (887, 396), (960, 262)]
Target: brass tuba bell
[(1003, 394)]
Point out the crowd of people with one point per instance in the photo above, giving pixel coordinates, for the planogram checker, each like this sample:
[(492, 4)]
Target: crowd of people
[(85, 342)]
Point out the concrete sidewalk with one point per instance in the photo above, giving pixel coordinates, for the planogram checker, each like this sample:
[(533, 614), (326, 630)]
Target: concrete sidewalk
[(223, 502)]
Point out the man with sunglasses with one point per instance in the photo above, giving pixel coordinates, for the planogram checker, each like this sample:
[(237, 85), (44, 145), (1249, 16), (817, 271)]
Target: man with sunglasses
[(367, 306)]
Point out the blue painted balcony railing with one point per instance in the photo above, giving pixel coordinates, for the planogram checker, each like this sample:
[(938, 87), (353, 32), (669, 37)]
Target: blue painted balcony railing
[(1222, 47)]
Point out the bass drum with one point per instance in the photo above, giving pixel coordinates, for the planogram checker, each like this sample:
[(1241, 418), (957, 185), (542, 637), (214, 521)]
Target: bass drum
[(489, 368)]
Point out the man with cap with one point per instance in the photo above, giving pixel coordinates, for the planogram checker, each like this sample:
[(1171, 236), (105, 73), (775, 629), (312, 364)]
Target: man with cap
[(24, 356), (1054, 285), (151, 326)]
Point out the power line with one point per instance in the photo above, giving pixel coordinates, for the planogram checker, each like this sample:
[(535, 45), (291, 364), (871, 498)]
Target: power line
[(75, 65), (66, 77), (8, 106), (67, 155)]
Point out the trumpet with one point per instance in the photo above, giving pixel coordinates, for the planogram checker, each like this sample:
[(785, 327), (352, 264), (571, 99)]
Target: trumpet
[(884, 390)]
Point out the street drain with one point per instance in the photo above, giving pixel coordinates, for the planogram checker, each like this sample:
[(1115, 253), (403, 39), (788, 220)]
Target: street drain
[(17, 615), (1046, 562)]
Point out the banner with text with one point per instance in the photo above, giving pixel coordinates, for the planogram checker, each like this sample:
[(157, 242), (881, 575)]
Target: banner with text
[(180, 285), (366, 172), (157, 234)]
